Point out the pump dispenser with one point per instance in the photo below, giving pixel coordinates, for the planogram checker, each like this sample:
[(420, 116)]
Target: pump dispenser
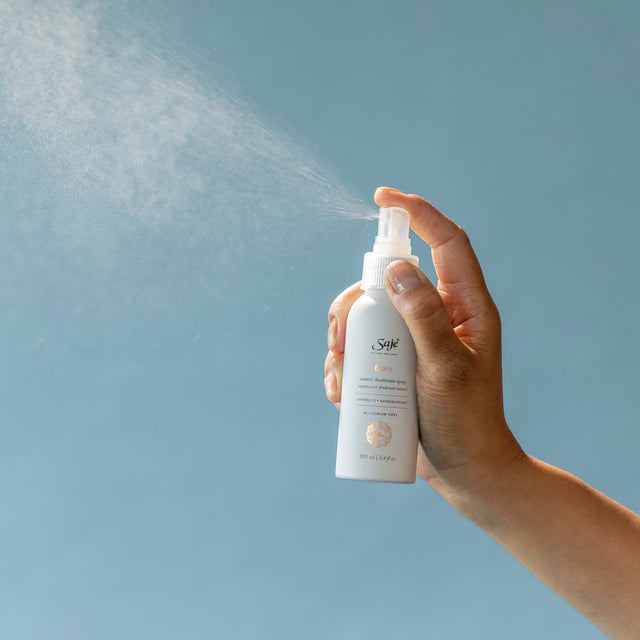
[(378, 430), (391, 243)]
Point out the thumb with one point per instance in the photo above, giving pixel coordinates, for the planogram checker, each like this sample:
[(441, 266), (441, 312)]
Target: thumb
[(421, 306)]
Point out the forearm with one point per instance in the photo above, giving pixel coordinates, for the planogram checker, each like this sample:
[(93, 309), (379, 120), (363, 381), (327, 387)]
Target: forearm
[(582, 544)]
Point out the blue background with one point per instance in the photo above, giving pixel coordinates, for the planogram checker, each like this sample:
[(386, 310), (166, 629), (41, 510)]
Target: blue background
[(183, 190)]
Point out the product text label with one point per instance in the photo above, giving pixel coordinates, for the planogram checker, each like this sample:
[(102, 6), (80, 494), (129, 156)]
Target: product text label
[(385, 344)]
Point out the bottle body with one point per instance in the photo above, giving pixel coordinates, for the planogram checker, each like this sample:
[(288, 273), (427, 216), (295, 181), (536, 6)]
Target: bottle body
[(378, 429)]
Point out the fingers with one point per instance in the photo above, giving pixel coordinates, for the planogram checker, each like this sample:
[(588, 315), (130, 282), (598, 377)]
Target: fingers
[(338, 312), (453, 257), (421, 306), (333, 376)]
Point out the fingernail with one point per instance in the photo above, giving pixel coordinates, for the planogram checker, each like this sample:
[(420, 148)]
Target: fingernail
[(331, 383), (402, 276), (332, 336), (388, 189)]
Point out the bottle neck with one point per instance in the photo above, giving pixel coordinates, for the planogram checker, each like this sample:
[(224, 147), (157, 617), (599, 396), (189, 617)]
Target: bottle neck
[(374, 266), (377, 293)]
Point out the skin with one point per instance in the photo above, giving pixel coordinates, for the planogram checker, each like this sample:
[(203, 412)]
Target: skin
[(582, 544)]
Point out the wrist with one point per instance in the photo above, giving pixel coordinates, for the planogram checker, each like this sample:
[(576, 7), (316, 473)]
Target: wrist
[(485, 494)]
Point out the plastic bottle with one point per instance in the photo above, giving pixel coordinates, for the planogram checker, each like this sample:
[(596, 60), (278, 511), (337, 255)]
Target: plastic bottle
[(378, 430)]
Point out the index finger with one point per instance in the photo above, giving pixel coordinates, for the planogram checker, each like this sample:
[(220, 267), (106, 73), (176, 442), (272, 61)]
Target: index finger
[(453, 257)]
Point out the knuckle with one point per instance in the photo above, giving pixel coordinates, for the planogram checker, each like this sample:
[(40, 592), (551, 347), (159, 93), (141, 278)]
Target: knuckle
[(330, 395), (332, 362), (417, 200), (327, 363), (422, 304), (334, 308), (463, 235), (490, 316)]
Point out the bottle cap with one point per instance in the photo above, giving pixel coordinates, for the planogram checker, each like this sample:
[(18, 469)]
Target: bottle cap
[(391, 243)]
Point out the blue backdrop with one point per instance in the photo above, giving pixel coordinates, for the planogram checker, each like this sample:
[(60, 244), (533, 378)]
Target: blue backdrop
[(184, 188)]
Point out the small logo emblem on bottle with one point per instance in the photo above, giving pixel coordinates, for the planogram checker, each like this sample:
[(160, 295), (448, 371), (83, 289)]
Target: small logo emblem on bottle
[(378, 434)]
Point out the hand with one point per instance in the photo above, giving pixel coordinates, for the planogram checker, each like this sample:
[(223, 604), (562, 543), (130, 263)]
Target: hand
[(455, 326), (582, 544)]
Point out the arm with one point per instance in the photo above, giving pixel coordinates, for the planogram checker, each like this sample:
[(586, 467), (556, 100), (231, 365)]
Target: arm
[(582, 544)]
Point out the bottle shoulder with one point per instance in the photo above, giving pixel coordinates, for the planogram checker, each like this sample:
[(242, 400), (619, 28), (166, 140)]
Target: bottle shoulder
[(374, 302), (373, 297)]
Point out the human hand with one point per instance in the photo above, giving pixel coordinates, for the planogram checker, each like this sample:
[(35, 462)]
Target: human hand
[(581, 543), (455, 326)]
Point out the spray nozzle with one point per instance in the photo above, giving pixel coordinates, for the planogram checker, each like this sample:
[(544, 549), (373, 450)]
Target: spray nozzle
[(392, 243), (393, 232)]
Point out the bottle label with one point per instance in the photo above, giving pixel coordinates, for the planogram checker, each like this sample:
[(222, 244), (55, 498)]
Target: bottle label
[(378, 432)]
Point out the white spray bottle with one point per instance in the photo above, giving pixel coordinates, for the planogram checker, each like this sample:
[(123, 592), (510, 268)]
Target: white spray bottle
[(378, 430)]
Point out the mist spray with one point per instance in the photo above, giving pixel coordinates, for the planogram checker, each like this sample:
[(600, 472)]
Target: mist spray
[(378, 430)]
